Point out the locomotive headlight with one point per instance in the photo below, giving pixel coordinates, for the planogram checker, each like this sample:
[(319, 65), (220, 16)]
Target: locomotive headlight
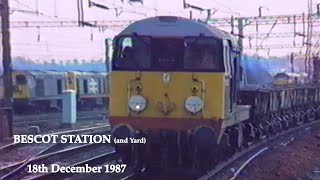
[(194, 104), (137, 103)]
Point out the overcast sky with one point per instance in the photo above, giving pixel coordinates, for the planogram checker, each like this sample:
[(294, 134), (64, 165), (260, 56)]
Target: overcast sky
[(88, 43)]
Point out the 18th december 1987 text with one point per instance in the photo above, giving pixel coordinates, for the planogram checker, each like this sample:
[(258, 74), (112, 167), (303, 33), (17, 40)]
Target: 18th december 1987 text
[(55, 168)]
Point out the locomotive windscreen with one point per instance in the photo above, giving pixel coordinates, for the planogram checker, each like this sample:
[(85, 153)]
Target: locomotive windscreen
[(21, 80), (132, 53), (168, 54), (203, 54)]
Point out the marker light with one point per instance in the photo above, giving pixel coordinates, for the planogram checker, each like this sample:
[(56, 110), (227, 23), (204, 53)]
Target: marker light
[(137, 103), (194, 104)]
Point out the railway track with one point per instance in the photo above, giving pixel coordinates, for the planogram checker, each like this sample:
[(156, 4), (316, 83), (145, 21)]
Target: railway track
[(40, 118), (67, 157), (253, 151), (96, 160), (129, 172), (134, 174), (74, 131), (256, 149), (24, 152), (68, 154)]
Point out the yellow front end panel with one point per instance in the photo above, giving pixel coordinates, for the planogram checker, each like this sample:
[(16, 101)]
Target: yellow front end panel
[(21, 92), (176, 85), (71, 81)]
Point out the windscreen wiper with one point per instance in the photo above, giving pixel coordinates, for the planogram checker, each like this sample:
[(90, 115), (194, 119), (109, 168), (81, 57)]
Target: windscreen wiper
[(141, 39), (197, 39)]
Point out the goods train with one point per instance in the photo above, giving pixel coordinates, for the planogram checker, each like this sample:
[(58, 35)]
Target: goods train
[(178, 83), (42, 90)]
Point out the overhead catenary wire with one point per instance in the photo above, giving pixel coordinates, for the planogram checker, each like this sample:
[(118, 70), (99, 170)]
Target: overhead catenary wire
[(229, 10), (142, 7), (118, 9), (275, 23), (36, 11), (115, 26)]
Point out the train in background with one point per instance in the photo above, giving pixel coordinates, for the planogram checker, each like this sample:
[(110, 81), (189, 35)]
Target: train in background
[(42, 90), (177, 83)]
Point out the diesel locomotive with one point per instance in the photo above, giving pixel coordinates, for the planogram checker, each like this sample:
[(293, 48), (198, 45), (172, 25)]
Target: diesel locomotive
[(42, 90), (177, 83)]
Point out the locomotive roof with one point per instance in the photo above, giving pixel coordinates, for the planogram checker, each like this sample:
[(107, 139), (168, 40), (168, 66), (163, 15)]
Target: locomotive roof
[(88, 73), (40, 72), (174, 26), (53, 72)]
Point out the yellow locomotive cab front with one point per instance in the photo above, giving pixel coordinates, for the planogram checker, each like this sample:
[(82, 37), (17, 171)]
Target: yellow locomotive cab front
[(166, 95), (21, 89)]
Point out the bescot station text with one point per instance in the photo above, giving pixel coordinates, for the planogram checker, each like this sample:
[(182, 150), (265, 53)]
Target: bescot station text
[(54, 138)]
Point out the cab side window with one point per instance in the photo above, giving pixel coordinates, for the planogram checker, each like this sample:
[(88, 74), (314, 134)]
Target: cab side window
[(131, 53)]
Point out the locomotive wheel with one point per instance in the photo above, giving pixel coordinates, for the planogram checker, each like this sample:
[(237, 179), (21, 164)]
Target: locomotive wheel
[(288, 120), (310, 115), (204, 148), (284, 121), (161, 151), (315, 113), (262, 130), (248, 134), (126, 153), (224, 151), (140, 150), (257, 132), (279, 125), (300, 118), (169, 150), (272, 127), (125, 150), (318, 112), (291, 119)]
